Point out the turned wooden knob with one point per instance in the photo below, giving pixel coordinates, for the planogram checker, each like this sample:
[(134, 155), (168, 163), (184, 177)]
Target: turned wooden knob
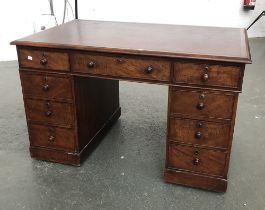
[(45, 87), (199, 124), (196, 161), (149, 70), (51, 138), (48, 104), (91, 64), (48, 113), (205, 77), (43, 61), (200, 106), (198, 135)]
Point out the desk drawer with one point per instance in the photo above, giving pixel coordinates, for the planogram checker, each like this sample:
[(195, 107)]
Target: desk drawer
[(44, 60), (46, 85), (52, 137), (89, 64), (49, 112), (204, 74), (209, 104), (198, 160), (199, 132), (138, 68)]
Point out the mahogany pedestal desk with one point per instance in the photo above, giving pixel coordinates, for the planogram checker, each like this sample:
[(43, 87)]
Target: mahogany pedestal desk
[(70, 80)]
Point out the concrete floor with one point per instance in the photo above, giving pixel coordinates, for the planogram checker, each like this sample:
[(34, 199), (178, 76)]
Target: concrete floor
[(126, 169)]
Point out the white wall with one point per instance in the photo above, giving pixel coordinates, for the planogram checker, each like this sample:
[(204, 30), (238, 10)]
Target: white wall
[(20, 18), (187, 12)]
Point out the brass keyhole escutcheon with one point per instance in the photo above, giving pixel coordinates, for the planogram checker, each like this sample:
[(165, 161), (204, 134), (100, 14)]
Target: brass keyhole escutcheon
[(202, 96), (196, 152), (120, 60), (45, 79)]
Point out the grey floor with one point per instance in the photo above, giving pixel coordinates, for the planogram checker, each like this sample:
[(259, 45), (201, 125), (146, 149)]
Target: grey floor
[(126, 170)]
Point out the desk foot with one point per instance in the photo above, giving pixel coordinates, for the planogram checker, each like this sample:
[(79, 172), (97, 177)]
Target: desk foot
[(195, 180), (57, 156)]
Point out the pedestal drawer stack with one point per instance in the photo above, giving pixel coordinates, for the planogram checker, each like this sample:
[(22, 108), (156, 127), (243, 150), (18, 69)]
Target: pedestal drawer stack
[(201, 116), (49, 105), (66, 115)]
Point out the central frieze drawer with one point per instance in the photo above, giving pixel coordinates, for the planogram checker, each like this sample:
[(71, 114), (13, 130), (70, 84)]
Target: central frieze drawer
[(126, 67), (196, 159), (198, 132), (208, 75), (49, 112), (209, 104), (46, 85)]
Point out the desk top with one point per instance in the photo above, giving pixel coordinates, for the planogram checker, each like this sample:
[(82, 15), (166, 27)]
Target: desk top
[(174, 41)]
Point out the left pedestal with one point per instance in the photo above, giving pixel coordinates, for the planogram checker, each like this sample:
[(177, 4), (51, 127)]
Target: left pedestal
[(67, 115)]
